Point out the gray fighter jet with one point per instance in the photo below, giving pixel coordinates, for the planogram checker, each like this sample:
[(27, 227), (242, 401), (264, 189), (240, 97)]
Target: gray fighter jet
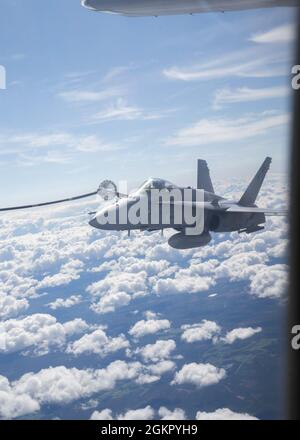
[(219, 214), (164, 205), (140, 8)]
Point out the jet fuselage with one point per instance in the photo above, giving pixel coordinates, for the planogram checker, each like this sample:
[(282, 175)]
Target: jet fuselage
[(215, 221)]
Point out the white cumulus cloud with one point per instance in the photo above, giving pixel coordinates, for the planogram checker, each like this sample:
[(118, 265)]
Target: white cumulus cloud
[(200, 375), (240, 333), (176, 414), (99, 343), (61, 303), (14, 404), (105, 414), (149, 327), (205, 330), (10, 306), (158, 351), (38, 332), (270, 281), (117, 290), (146, 413), (223, 414)]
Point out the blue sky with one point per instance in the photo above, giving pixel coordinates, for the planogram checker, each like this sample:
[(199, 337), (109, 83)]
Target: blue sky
[(92, 96)]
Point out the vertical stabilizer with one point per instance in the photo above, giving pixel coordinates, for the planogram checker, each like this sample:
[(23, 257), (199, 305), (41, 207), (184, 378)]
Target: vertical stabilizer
[(251, 193), (203, 177)]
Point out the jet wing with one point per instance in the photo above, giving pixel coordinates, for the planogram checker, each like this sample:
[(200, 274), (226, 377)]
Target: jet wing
[(254, 210), (228, 208), (143, 8)]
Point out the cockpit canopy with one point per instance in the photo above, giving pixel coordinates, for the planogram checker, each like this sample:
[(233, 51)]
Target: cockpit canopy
[(156, 183)]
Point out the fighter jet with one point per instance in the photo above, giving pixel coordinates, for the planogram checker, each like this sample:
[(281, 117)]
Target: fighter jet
[(141, 8), (217, 213), (158, 205)]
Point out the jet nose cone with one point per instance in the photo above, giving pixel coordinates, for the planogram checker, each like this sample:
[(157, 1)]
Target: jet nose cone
[(94, 223)]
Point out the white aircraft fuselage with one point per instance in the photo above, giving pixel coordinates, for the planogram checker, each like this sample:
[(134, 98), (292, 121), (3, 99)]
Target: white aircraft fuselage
[(140, 8)]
